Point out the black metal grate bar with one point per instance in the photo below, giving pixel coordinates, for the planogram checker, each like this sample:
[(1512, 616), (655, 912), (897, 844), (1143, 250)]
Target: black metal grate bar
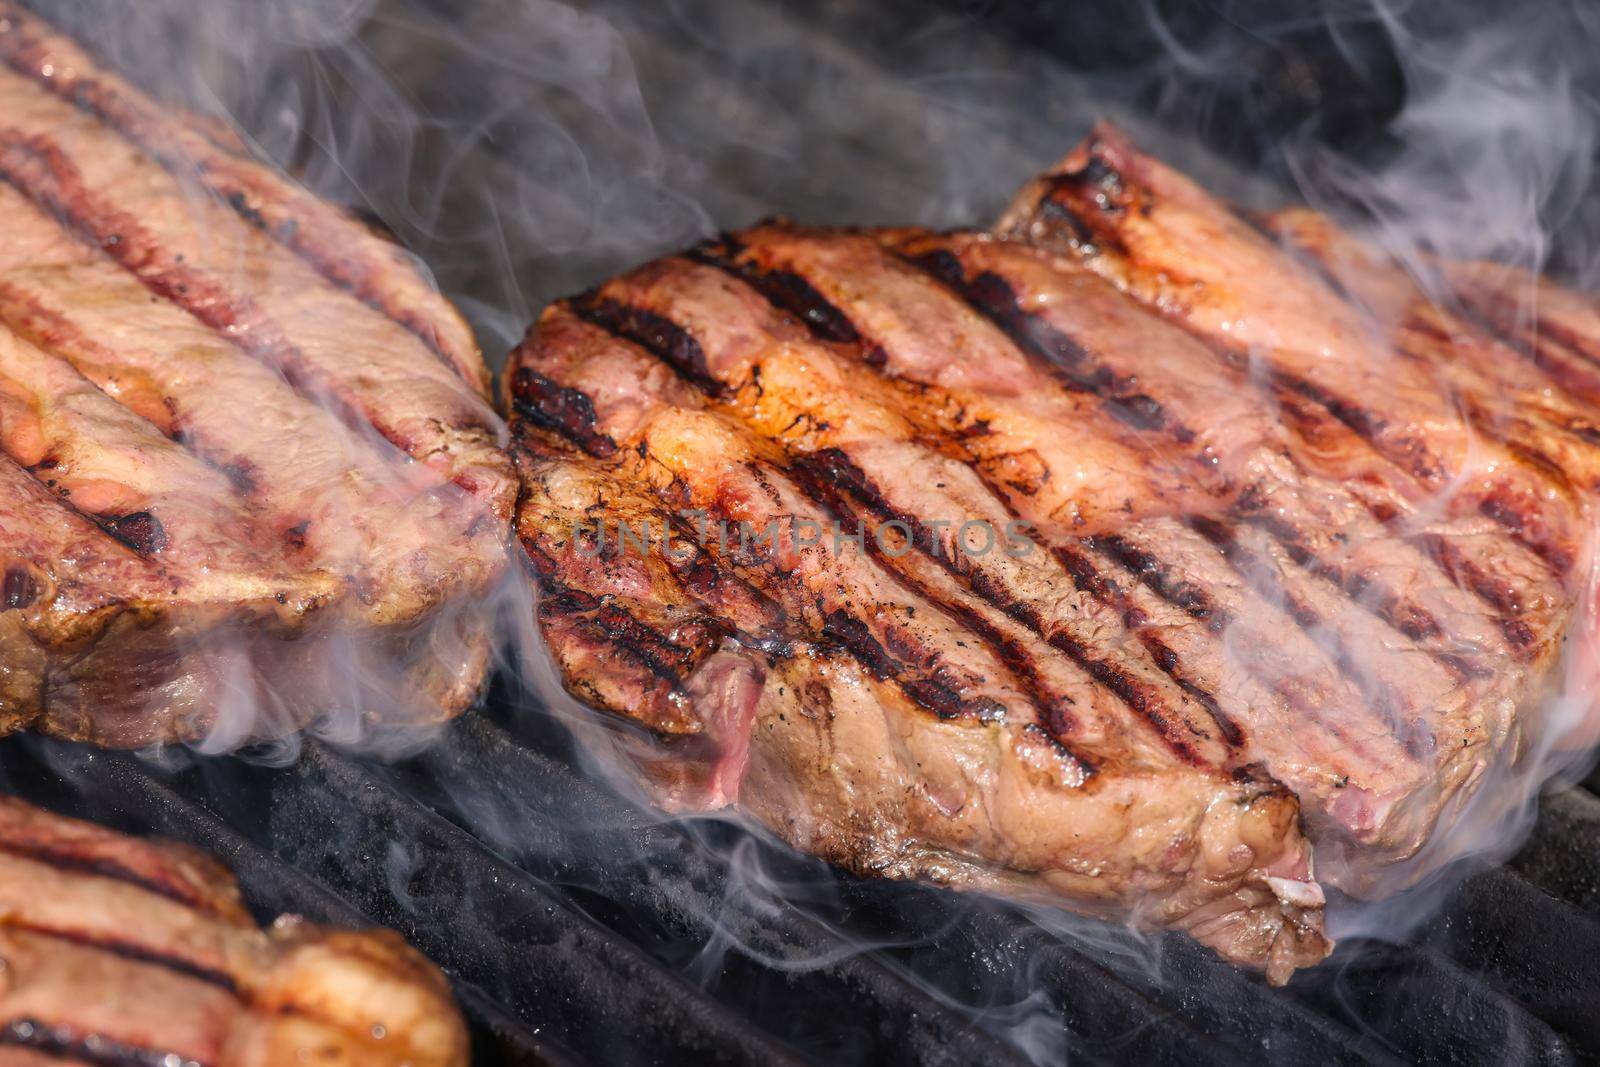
[(576, 926), (522, 957), (649, 879), (965, 946)]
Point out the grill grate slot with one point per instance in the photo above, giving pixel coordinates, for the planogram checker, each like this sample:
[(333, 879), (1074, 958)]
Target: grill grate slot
[(291, 835), (1562, 856), (1541, 952), (575, 926), (1423, 1007)]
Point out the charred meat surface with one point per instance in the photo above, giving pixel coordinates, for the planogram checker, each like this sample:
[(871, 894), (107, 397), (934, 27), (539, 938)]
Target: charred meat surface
[(241, 437), (1113, 557), (119, 950)]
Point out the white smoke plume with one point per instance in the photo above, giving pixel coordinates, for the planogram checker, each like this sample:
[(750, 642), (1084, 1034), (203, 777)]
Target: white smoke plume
[(528, 149)]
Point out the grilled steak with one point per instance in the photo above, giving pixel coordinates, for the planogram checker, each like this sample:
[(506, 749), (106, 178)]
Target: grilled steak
[(241, 437), (1118, 557), (122, 951)]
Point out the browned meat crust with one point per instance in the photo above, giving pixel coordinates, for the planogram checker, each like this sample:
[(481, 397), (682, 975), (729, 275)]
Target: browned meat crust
[(978, 720), (1166, 242), (258, 442), (120, 950), (1276, 559), (349, 255)]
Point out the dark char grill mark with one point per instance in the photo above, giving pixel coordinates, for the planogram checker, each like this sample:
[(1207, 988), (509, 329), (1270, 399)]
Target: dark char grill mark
[(993, 297), (1069, 362), (1088, 578), (1462, 571), (39, 170), (671, 344), (1259, 576), (1507, 514), (1543, 343), (785, 289), (1249, 568), (103, 868), (1409, 619), (95, 99), (1055, 712), (1571, 341), (668, 659), (1161, 580), (1456, 568), (665, 659), (74, 1047), (607, 621), (942, 698), (664, 338), (853, 635), (129, 950), (1550, 351), (1104, 187), (836, 468), (1099, 183), (137, 953), (1413, 324), (708, 583), (1420, 462), (827, 322), (789, 292), (561, 409), (993, 300), (1156, 576), (1587, 432), (46, 327), (1416, 458)]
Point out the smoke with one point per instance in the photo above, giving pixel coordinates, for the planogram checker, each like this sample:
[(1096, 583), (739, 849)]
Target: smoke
[(524, 150), (1459, 132), (1493, 153)]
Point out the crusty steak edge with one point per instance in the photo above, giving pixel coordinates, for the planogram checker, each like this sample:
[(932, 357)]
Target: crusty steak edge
[(259, 443)]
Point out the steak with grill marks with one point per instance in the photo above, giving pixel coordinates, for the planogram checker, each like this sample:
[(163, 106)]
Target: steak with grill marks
[(241, 437), (1156, 558), (118, 950)]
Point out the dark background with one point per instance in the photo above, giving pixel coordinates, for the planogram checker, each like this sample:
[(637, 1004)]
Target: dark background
[(526, 148)]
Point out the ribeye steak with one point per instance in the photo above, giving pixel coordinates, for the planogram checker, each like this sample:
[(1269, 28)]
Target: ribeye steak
[(1174, 562), (247, 459)]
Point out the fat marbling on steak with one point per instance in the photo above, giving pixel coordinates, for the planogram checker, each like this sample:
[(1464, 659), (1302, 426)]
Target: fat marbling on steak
[(1294, 558), (243, 442), (117, 950)]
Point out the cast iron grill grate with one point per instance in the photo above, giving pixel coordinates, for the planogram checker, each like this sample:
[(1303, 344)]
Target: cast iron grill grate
[(576, 927)]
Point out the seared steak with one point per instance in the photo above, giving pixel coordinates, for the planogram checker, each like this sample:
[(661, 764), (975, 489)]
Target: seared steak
[(1151, 561), (241, 437), (117, 950)]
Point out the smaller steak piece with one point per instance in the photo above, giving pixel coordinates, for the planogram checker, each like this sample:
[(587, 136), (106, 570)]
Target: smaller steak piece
[(123, 950), (242, 439)]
